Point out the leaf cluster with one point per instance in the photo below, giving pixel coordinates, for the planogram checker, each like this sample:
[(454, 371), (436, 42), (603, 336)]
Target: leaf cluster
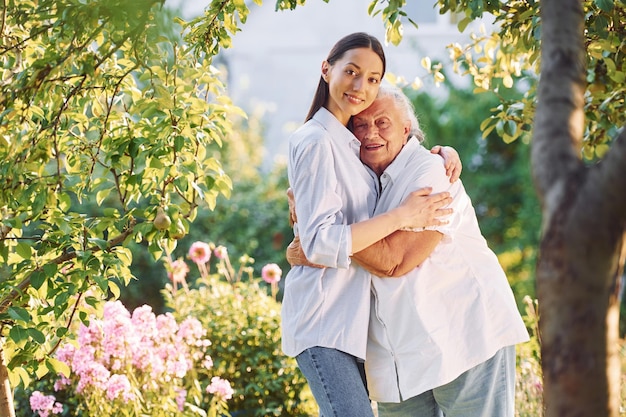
[(100, 105), (509, 58)]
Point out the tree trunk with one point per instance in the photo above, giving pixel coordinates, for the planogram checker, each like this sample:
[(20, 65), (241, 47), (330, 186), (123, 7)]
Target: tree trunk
[(7, 408), (584, 220), (579, 310)]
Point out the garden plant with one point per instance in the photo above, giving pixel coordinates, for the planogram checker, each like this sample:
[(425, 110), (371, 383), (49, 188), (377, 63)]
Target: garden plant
[(242, 317)]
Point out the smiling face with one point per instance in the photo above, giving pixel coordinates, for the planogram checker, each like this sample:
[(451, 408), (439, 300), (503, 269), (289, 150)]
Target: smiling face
[(353, 82), (382, 130)]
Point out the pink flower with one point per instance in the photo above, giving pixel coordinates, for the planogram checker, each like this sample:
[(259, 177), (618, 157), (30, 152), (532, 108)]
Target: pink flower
[(119, 386), (200, 252), (191, 331), (207, 363), (221, 252), (221, 388), (271, 273), (44, 405), (181, 396), (178, 271)]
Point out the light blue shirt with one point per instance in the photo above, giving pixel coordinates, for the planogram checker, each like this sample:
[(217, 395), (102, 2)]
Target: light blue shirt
[(327, 307), (453, 312)]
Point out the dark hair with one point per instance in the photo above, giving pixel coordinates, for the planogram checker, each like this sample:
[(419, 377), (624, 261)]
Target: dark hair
[(345, 44)]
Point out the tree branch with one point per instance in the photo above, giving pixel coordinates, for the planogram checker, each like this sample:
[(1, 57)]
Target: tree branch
[(609, 178), (5, 303), (559, 115)]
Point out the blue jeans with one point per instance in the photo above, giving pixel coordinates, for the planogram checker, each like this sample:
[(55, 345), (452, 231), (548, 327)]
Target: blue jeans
[(487, 390), (337, 381)]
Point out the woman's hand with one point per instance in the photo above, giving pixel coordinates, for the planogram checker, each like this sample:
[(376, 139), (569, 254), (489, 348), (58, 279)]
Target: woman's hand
[(451, 161), (292, 207), (422, 209), (295, 255)]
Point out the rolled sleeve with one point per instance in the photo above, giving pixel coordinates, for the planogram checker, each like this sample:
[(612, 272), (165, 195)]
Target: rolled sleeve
[(325, 239)]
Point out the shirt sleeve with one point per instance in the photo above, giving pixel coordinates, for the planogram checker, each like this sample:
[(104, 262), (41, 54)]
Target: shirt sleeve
[(433, 173), (325, 239)]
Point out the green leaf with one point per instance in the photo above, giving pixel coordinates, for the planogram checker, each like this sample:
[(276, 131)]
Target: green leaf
[(102, 195), (510, 127), (18, 335), (50, 269), (18, 376), (114, 289), (37, 335), (102, 282), (58, 367), (462, 25), (23, 250), (605, 5), (19, 313), (101, 243), (37, 279)]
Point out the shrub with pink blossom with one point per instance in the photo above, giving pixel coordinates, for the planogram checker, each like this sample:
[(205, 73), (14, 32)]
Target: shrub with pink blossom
[(243, 320), (44, 405), (135, 364)]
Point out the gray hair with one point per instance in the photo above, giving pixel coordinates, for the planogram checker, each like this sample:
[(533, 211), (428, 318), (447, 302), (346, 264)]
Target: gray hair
[(404, 104)]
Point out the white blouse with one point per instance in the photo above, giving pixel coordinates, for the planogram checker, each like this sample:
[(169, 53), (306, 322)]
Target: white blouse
[(327, 307), (448, 315)]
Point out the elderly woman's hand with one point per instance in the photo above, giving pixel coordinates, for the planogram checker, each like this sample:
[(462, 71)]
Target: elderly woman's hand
[(451, 159)]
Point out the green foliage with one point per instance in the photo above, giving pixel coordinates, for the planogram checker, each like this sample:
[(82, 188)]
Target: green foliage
[(212, 31), (98, 102), (254, 220), (511, 55), (392, 14), (243, 324)]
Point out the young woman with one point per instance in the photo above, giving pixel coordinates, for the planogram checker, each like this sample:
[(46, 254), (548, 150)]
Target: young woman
[(325, 311)]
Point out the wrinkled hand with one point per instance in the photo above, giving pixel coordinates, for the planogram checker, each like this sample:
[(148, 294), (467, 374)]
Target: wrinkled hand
[(422, 209), (451, 161), (292, 207), (296, 257)]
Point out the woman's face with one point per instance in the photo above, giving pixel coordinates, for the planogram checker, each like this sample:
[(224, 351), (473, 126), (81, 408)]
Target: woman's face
[(382, 130), (353, 82)]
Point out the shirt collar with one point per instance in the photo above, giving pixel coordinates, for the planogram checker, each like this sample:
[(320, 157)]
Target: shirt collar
[(337, 131), (398, 165)]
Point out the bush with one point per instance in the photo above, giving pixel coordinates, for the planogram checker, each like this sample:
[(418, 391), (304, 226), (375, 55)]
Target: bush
[(123, 364), (243, 323)]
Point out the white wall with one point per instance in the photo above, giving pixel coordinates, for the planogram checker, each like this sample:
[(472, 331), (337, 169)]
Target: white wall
[(274, 62)]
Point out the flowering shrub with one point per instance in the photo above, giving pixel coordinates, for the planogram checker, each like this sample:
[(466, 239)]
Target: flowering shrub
[(243, 321), (134, 365), (44, 405)]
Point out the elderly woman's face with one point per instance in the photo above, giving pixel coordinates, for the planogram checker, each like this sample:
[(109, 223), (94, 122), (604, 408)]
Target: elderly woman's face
[(383, 131)]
